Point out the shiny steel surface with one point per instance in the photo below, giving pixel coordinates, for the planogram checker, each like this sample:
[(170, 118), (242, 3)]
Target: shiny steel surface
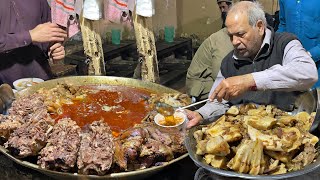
[(191, 143), (316, 121), (305, 102), (97, 81)]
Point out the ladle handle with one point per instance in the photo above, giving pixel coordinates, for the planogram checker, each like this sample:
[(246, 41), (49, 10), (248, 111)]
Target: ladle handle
[(193, 104)]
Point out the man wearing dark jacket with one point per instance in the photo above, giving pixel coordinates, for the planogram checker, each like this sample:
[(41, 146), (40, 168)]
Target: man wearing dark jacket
[(264, 68), (27, 38)]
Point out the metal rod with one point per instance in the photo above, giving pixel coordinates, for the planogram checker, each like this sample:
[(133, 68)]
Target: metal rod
[(193, 104)]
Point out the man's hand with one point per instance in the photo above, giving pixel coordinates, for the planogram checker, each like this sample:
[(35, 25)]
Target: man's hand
[(48, 32), (233, 87), (194, 118), (56, 52)]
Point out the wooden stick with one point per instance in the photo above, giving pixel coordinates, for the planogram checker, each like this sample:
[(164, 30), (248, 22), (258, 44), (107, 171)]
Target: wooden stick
[(146, 48), (92, 45)]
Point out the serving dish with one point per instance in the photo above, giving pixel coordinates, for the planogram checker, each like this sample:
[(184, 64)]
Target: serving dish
[(100, 81)]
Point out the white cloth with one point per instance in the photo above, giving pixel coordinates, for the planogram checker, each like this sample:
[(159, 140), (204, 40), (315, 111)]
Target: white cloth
[(92, 9), (131, 5), (78, 6), (145, 8)]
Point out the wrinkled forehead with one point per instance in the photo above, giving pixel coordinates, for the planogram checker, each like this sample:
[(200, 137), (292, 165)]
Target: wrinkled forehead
[(237, 21)]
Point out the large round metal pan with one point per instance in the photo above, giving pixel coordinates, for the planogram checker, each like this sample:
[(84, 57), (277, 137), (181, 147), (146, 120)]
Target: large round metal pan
[(191, 143), (96, 81), (138, 174)]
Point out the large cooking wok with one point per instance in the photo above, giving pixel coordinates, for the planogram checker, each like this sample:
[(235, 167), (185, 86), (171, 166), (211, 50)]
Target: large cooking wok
[(191, 143), (305, 102), (96, 80)]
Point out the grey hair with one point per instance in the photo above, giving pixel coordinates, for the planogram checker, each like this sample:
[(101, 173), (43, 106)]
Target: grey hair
[(254, 11)]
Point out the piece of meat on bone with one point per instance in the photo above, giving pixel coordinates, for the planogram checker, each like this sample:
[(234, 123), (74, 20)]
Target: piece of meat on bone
[(155, 151), (170, 137), (128, 147), (62, 147), (26, 106), (119, 155), (156, 134), (9, 123), (131, 148), (32, 136), (96, 151)]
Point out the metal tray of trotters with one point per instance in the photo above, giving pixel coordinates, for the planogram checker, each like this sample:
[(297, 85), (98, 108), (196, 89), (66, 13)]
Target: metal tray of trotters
[(191, 143), (308, 102)]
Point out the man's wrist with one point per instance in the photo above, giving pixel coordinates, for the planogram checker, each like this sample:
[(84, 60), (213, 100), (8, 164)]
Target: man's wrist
[(250, 82)]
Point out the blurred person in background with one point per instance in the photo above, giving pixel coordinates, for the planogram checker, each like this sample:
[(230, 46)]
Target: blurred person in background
[(302, 18), (205, 64), (224, 6)]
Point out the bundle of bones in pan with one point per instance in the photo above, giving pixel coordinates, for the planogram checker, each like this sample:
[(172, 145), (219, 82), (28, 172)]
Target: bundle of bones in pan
[(29, 131), (258, 140)]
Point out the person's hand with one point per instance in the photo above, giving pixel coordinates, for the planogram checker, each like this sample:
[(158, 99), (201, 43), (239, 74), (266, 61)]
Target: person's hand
[(233, 87), (47, 32), (194, 118), (56, 52)]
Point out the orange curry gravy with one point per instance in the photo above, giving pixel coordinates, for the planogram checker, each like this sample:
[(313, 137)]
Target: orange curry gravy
[(119, 106)]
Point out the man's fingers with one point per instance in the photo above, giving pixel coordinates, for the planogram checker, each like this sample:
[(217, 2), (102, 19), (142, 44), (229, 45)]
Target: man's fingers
[(192, 123), (58, 30), (59, 34), (57, 58), (215, 92), (55, 39), (227, 96), (221, 95), (58, 53), (56, 47)]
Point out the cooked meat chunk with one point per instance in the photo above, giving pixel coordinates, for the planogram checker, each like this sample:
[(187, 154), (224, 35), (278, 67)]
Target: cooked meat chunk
[(96, 151), (26, 106), (62, 147), (146, 145), (133, 132), (172, 99), (131, 147), (156, 134), (303, 158), (156, 149), (170, 137), (217, 146), (32, 136), (177, 145), (119, 155), (9, 123)]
